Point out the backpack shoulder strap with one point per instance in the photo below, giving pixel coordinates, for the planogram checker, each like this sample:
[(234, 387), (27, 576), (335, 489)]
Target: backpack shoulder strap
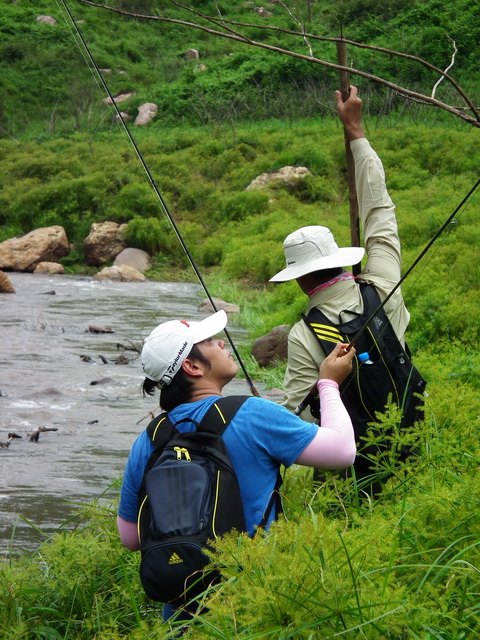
[(220, 413), (380, 326), (161, 429), (368, 290), (371, 301)]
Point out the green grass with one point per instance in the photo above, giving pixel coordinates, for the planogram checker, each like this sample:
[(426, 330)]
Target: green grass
[(403, 565)]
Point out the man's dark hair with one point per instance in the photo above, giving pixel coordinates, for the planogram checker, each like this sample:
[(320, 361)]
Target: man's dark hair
[(180, 388)]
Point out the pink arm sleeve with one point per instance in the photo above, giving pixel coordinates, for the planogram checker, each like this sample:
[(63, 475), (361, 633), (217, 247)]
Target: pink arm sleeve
[(334, 445), (128, 534)]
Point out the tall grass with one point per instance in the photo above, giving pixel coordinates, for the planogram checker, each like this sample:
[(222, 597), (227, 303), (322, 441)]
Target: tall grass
[(405, 564)]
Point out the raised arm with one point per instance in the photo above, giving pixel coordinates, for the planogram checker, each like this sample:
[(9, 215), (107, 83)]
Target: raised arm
[(376, 209)]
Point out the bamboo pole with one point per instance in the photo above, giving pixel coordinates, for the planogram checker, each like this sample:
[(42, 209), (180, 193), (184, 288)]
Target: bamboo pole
[(352, 192)]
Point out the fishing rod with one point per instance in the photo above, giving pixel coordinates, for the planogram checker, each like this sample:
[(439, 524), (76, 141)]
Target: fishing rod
[(312, 394), (158, 194)]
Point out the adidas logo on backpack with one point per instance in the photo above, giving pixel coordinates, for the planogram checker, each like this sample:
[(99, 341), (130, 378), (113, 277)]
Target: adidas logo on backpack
[(175, 559)]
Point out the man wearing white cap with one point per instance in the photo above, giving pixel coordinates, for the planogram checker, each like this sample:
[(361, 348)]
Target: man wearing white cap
[(190, 368), (316, 262)]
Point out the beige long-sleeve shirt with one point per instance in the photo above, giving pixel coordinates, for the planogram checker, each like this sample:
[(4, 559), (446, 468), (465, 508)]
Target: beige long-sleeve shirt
[(382, 269)]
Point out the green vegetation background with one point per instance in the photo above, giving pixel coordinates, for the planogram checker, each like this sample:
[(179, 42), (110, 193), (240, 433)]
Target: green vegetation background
[(406, 565)]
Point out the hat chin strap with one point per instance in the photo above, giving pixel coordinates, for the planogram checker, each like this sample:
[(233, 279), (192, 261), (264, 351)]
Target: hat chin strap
[(165, 381)]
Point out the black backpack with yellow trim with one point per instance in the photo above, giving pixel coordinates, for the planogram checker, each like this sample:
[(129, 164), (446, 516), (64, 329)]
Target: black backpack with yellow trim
[(189, 495), (390, 371)]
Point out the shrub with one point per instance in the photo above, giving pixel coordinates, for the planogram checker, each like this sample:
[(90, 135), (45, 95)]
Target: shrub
[(137, 198), (149, 234), (244, 204)]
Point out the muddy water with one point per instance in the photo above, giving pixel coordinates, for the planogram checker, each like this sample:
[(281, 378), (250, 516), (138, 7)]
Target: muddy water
[(81, 386)]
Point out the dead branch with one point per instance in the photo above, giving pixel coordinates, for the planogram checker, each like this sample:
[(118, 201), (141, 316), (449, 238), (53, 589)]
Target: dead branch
[(301, 26), (239, 37), (448, 68)]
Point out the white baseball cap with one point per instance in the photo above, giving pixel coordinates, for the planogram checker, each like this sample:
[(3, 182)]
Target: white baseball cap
[(312, 249), (169, 344)]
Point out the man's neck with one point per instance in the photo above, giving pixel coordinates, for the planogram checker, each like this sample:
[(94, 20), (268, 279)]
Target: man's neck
[(205, 389)]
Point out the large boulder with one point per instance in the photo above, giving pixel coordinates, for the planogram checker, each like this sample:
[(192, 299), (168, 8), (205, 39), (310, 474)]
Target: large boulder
[(135, 258), (288, 175), (272, 347), (47, 244), (104, 242), (123, 274), (228, 307), (5, 285)]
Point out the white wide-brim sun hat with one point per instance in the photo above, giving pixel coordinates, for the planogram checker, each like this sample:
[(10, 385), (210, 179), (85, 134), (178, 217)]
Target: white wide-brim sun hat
[(312, 249)]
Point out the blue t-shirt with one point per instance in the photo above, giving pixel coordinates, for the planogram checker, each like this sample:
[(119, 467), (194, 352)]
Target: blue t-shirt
[(261, 436)]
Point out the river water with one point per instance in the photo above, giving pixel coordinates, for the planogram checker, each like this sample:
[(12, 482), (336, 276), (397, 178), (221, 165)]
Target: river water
[(83, 387)]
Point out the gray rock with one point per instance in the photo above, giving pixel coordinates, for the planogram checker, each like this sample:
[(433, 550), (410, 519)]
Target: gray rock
[(119, 97), (192, 54), (122, 116), (228, 307), (123, 274), (146, 113), (47, 20), (135, 258), (272, 347), (285, 174), (261, 11)]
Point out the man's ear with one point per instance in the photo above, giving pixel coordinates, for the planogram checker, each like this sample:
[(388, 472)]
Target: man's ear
[(192, 367)]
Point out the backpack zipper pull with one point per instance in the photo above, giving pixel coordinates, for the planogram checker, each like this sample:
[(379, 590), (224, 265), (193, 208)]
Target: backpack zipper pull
[(181, 450)]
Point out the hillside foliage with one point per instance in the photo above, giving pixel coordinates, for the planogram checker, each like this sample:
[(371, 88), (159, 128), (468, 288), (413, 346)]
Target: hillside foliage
[(47, 84)]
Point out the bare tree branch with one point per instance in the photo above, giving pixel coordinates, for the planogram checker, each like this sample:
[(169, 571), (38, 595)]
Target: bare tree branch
[(449, 66), (239, 37), (300, 25)]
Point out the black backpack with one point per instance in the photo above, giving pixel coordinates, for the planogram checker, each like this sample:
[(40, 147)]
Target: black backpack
[(366, 390), (188, 496)]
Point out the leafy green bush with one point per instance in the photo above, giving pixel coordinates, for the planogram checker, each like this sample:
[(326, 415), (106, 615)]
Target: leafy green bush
[(149, 234), (136, 199), (244, 204)]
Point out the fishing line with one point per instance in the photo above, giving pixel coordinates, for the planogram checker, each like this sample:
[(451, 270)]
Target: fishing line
[(313, 393), (155, 188)]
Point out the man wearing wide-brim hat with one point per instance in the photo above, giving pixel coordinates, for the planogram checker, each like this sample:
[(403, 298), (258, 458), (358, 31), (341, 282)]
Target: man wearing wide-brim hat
[(315, 261)]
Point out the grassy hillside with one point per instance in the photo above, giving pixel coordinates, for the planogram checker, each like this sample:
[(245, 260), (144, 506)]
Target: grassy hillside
[(47, 87)]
